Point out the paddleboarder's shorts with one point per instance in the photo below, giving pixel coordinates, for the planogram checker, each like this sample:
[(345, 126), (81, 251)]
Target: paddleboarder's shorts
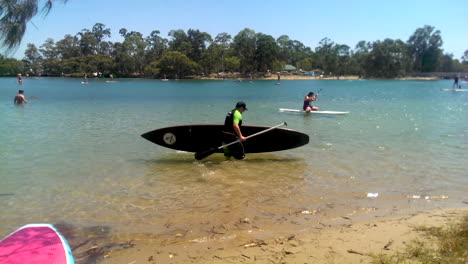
[(235, 150)]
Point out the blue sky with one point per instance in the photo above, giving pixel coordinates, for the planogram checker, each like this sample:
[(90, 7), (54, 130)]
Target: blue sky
[(342, 21)]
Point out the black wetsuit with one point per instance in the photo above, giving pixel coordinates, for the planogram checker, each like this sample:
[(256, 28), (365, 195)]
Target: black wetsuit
[(229, 135)]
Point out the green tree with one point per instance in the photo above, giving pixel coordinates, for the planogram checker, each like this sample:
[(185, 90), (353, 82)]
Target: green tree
[(10, 66), (68, 47), (266, 52), (130, 54), (306, 64), (465, 57), (14, 17), (223, 40), (32, 60), (176, 64), (244, 45), (387, 59), (361, 52), (199, 41), (344, 59), (285, 49), (327, 53), (425, 48), (232, 64), (292, 51), (179, 42), (157, 46)]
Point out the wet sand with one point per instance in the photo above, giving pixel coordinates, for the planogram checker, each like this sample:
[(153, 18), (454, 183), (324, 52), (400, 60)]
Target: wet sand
[(341, 240)]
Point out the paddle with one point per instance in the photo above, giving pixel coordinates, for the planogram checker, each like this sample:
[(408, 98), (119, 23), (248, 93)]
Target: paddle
[(203, 154)]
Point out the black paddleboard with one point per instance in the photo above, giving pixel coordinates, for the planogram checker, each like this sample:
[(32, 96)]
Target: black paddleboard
[(197, 138)]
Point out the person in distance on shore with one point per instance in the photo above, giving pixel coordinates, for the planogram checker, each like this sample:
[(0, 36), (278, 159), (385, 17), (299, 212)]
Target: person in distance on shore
[(20, 79), (307, 107), (19, 98), (232, 132)]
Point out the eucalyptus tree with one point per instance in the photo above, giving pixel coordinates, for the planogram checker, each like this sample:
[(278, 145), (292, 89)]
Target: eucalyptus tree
[(199, 42), (157, 46), (465, 57), (285, 49), (292, 51), (179, 42), (266, 52), (100, 32), (223, 40), (327, 54), (387, 59), (15, 15), (32, 59), (299, 51), (91, 41), (51, 63), (447, 63), (360, 54), (425, 48), (130, 54), (244, 45), (68, 47), (49, 49), (344, 59)]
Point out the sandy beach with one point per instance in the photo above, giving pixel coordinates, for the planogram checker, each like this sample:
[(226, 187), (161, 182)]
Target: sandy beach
[(342, 240), (299, 77)]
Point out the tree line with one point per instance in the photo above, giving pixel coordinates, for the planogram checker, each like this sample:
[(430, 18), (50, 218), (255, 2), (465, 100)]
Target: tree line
[(183, 54)]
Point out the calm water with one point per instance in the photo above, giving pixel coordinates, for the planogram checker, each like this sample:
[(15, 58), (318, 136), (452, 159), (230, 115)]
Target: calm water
[(74, 155)]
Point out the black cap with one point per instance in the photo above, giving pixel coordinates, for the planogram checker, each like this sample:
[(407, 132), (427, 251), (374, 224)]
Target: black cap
[(241, 104)]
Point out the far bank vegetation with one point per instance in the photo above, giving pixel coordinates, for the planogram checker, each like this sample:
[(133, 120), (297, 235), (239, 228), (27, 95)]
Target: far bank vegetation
[(247, 54)]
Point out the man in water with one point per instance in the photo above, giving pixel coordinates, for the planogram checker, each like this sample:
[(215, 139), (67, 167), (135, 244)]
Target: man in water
[(19, 98), (307, 107), (232, 132)]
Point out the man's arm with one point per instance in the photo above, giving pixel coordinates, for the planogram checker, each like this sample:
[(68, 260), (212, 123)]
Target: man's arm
[(238, 132)]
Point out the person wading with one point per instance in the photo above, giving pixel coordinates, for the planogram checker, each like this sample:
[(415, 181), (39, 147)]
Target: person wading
[(232, 132)]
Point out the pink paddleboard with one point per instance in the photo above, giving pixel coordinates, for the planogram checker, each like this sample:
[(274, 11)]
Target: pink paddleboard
[(35, 243)]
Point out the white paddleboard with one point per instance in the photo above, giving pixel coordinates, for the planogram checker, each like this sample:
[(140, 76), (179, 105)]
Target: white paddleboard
[(312, 112), (456, 90)]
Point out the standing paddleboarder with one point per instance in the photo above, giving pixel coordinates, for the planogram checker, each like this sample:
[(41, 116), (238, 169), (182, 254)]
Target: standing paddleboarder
[(455, 83), (232, 132)]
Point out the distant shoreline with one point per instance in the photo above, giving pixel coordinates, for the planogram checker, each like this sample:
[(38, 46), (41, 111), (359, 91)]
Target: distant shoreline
[(232, 78), (304, 77)]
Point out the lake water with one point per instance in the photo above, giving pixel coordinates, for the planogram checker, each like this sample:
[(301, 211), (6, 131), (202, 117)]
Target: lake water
[(74, 156)]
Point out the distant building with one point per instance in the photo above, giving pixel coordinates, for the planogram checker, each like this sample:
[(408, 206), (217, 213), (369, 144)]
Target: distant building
[(289, 68)]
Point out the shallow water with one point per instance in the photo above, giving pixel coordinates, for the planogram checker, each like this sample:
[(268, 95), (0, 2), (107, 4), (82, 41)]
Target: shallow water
[(74, 155)]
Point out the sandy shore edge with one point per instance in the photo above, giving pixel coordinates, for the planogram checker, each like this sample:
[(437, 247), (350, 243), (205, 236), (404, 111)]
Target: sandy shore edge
[(303, 77), (344, 242)]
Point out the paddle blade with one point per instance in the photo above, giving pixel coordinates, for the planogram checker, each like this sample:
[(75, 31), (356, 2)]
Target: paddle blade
[(203, 154)]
